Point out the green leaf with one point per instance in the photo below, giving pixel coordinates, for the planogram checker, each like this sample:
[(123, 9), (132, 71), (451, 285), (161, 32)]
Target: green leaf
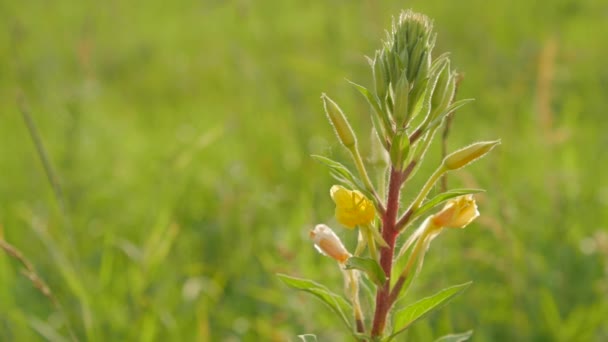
[(442, 197), (335, 302), (451, 108), (375, 103), (406, 317), (339, 171), (369, 266), (342, 174), (456, 337)]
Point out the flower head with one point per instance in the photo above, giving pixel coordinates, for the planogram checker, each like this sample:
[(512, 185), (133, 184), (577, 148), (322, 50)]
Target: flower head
[(328, 243), (352, 207), (457, 213)]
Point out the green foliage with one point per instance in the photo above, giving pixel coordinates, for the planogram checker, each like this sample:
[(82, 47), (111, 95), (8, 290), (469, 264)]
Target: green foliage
[(413, 312), (369, 266), (335, 302)]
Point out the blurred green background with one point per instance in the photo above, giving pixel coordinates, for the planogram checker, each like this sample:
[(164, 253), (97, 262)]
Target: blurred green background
[(180, 133)]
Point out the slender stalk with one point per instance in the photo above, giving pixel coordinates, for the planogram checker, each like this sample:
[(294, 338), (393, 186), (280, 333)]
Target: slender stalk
[(48, 168), (406, 271), (30, 273), (44, 158), (389, 233), (354, 292)]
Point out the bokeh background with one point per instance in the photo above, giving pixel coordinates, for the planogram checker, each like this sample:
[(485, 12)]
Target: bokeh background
[(180, 134)]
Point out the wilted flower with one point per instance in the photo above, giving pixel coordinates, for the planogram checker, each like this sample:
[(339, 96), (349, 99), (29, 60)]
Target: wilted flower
[(352, 207), (457, 213), (328, 243)]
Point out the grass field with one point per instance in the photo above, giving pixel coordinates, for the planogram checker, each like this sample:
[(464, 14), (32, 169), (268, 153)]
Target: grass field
[(179, 136)]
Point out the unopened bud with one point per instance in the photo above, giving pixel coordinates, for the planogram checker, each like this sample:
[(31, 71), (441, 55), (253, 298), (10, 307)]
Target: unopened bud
[(469, 154), (402, 92), (328, 243), (338, 120), (444, 89), (380, 77)]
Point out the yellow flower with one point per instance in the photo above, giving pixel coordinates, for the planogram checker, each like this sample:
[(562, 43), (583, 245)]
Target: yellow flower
[(352, 207), (328, 243), (457, 213)]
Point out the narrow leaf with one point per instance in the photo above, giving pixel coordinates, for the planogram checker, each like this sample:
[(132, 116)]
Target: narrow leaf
[(335, 302), (343, 174), (375, 103), (456, 337), (451, 108), (369, 266), (442, 197), (410, 314)]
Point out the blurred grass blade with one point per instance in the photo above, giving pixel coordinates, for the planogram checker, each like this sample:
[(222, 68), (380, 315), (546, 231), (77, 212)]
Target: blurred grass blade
[(308, 337), (46, 330), (404, 318), (369, 266), (456, 337), (336, 303)]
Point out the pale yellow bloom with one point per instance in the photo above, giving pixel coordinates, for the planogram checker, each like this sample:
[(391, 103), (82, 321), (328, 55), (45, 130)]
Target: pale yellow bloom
[(457, 213), (352, 207), (328, 243)]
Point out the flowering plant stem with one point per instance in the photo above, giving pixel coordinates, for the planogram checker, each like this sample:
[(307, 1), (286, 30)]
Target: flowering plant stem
[(411, 90), (389, 233)]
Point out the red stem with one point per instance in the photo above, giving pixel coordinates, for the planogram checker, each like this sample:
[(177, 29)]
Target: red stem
[(389, 233)]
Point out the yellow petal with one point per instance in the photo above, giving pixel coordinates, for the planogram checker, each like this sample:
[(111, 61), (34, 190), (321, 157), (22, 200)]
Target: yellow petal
[(457, 213), (352, 207)]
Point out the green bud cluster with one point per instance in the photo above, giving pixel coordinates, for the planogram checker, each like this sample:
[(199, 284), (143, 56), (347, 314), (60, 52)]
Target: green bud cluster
[(412, 92)]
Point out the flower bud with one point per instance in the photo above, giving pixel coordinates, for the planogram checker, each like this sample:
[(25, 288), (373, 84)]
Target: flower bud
[(380, 77), (457, 213), (328, 243), (444, 89), (338, 120), (469, 154), (352, 207), (402, 92)]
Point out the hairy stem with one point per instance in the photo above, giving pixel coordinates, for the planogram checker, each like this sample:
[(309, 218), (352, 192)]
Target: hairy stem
[(389, 233)]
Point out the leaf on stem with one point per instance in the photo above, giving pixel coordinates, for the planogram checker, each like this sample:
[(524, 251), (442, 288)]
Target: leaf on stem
[(369, 266), (342, 174), (378, 111), (404, 318), (335, 302)]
